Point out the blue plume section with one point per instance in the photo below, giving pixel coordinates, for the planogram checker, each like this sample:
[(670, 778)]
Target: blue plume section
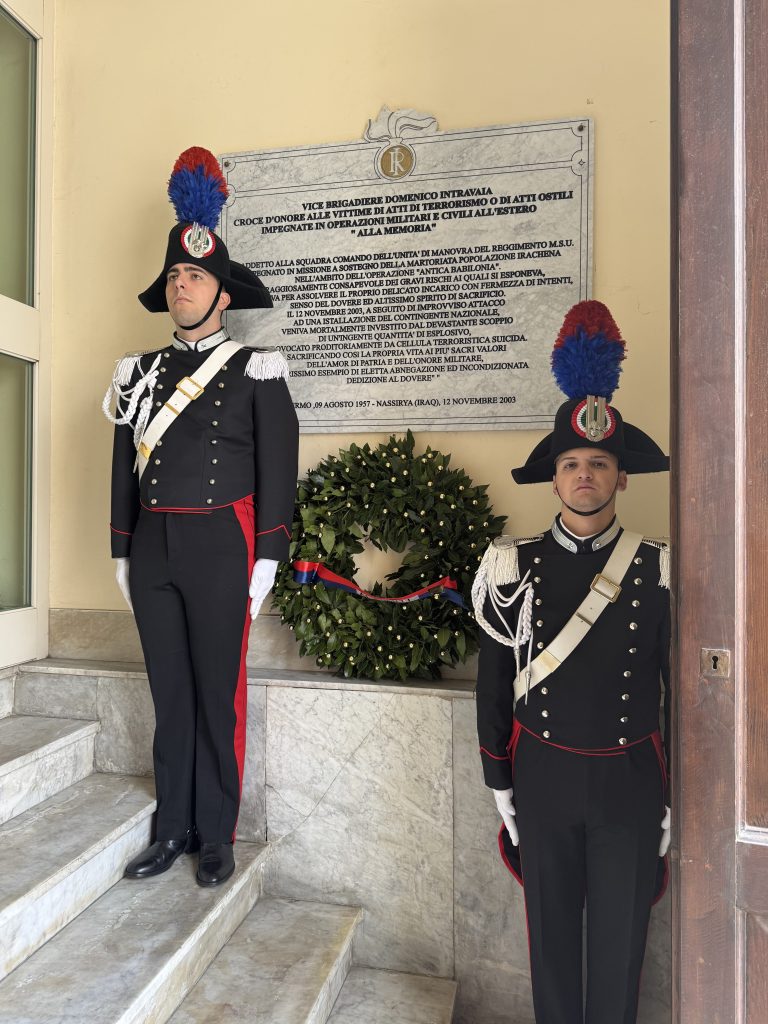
[(588, 364), (197, 188)]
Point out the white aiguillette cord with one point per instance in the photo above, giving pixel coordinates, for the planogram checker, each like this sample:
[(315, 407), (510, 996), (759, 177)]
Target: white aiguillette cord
[(603, 590), (187, 390)]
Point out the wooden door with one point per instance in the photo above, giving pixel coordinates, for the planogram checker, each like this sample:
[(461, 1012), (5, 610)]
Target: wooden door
[(720, 508)]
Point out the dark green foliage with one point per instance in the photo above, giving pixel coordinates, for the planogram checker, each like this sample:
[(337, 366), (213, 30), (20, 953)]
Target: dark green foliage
[(394, 499)]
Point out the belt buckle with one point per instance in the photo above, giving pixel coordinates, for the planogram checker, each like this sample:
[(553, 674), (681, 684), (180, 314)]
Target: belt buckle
[(195, 389), (613, 588), (144, 451)]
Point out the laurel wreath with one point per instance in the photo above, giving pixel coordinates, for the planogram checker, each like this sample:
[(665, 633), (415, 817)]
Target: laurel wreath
[(390, 497)]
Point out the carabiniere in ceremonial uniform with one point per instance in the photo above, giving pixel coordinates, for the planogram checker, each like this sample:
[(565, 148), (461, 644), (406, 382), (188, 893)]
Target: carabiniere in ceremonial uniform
[(574, 649), (203, 489)]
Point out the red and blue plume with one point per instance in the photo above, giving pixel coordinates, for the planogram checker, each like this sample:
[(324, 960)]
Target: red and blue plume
[(197, 188), (587, 356)]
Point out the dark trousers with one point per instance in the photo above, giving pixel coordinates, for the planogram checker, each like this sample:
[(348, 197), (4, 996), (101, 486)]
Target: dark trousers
[(189, 577), (590, 828)]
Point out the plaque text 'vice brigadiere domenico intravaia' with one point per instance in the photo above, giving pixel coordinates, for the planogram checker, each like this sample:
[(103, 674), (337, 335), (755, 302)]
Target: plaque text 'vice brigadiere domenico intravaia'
[(419, 277)]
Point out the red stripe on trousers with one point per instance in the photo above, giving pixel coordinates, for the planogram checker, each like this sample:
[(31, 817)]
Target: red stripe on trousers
[(661, 757), (511, 751), (246, 517)]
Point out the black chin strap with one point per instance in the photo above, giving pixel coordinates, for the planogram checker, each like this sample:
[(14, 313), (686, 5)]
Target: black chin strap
[(594, 511), (193, 327)]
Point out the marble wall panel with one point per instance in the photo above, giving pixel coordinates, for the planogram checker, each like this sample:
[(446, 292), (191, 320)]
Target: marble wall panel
[(7, 676), (656, 981), (123, 704), (99, 635), (55, 694), (127, 715), (252, 822), (360, 811), (492, 966), (272, 645)]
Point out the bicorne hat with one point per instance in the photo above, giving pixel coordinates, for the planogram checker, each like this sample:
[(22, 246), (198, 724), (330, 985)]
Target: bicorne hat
[(586, 363), (198, 190)]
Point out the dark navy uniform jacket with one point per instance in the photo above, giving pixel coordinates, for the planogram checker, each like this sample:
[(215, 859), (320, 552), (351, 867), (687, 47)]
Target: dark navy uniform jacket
[(238, 438), (606, 695)]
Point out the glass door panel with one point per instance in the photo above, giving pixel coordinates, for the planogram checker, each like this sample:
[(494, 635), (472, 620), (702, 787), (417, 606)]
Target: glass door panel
[(18, 75), (26, 200), (16, 376)]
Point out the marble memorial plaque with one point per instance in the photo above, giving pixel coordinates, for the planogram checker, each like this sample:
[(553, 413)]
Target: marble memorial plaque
[(420, 277)]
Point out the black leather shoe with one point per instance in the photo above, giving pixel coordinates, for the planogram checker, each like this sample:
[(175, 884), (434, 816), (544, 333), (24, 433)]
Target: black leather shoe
[(217, 862), (160, 856)]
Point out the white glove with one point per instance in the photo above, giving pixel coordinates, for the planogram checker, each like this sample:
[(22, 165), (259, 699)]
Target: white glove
[(666, 831), (262, 578), (121, 575), (506, 807)]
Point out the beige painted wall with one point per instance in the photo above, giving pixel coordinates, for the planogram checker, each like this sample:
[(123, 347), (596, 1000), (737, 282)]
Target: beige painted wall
[(136, 85)]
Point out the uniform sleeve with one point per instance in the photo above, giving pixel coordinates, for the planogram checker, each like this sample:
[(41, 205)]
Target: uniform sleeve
[(125, 492), (277, 462), (495, 699)]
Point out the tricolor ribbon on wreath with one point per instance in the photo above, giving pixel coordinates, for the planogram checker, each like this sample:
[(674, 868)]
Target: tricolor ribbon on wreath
[(313, 572)]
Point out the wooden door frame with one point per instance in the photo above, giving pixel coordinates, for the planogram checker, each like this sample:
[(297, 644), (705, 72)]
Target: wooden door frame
[(27, 334), (719, 365)]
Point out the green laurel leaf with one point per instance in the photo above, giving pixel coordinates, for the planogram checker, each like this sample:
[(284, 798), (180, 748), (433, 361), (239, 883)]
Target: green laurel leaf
[(340, 508), (327, 538)]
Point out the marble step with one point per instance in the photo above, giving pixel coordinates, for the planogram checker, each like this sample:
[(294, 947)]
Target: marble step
[(386, 997), (133, 955), (61, 855), (40, 757), (285, 964)]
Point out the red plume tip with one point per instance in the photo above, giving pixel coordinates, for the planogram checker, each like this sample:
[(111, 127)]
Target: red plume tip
[(198, 156), (593, 318)]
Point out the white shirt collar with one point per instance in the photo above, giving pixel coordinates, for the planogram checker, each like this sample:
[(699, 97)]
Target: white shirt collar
[(592, 543), (204, 344)]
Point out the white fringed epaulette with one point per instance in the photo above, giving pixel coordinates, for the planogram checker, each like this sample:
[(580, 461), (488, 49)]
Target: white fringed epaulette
[(499, 567), (267, 364), (501, 559), (126, 365), (662, 543), (128, 397)]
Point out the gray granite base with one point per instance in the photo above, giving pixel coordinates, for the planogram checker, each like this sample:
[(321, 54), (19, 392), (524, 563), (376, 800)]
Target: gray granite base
[(101, 635), (118, 696), (40, 757), (374, 798), (7, 676), (58, 857), (252, 821), (656, 981), (383, 997), (134, 954), (285, 964), (120, 700), (359, 808), (490, 934)]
